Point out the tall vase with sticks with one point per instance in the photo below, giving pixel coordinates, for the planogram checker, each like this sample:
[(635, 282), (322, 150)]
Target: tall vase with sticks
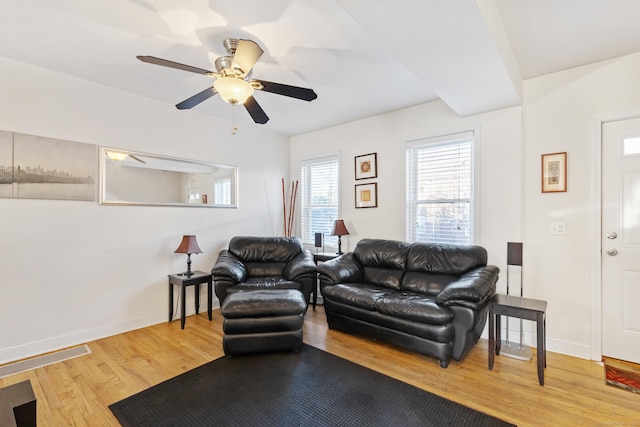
[(288, 218)]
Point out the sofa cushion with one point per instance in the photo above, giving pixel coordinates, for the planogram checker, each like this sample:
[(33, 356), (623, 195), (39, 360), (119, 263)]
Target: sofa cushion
[(263, 304), (445, 258), (265, 249), (382, 253), (414, 307), (264, 268), (383, 261), (361, 295), (426, 283), (266, 283), (383, 277)]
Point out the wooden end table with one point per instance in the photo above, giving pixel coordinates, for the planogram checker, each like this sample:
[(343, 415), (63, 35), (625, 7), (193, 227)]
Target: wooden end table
[(183, 280), (522, 308)]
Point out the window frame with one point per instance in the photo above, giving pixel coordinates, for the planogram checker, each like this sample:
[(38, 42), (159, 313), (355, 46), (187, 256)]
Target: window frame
[(222, 185), (440, 140), (328, 242)]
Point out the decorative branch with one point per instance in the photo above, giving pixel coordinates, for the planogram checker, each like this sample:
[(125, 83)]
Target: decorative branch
[(289, 219), (284, 211)]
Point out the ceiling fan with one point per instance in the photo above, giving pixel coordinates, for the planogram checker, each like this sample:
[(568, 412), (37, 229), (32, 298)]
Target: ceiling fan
[(232, 79)]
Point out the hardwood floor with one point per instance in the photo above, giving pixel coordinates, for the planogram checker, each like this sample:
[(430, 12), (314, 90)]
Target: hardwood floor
[(77, 392)]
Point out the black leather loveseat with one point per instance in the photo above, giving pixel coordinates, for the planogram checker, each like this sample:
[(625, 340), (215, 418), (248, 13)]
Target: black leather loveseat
[(430, 298), (262, 263)]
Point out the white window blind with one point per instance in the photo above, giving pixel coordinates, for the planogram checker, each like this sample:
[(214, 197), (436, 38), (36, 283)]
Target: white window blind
[(440, 189), (222, 191), (319, 186)]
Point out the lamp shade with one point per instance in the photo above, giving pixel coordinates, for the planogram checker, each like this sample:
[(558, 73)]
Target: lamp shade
[(339, 229), (189, 245), (233, 90)]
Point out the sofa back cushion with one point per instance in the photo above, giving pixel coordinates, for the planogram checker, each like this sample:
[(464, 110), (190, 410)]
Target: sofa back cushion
[(265, 256), (432, 266), (426, 283), (383, 261)]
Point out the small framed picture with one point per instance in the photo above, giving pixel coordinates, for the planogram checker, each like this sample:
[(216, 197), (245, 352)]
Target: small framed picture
[(367, 166), (367, 195), (554, 172)]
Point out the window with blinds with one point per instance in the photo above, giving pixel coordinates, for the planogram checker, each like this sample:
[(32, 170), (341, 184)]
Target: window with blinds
[(319, 197), (222, 191), (440, 206)]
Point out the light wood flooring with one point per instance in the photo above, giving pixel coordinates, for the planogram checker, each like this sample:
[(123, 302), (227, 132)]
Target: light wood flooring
[(77, 392)]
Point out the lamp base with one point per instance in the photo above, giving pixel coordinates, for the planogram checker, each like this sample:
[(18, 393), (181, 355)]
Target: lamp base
[(516, 351), (188, 273)]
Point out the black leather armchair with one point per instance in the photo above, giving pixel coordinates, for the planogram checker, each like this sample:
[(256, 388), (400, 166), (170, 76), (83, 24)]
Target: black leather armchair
[(258, 263)]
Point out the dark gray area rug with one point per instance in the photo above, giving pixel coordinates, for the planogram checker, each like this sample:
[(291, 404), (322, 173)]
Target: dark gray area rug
[(309, 388)]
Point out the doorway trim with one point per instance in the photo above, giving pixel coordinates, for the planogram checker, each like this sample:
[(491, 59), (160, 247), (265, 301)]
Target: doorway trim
[(596, 221)]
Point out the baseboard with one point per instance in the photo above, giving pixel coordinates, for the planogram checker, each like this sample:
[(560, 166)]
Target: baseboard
[(47, 345), (35, 348), (555, 345)]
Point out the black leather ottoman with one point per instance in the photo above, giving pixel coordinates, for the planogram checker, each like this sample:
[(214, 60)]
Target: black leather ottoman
[(263, 321)]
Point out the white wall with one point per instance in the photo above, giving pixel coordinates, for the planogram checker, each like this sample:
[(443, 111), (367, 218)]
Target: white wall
[(387, 134), (559, 113), (76, 271)]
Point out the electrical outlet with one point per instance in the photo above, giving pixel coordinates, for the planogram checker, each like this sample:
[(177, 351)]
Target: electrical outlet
[(556, 228)]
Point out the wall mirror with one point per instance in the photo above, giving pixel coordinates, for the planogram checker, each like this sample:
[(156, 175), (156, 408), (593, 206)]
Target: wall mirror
[(131, 178)]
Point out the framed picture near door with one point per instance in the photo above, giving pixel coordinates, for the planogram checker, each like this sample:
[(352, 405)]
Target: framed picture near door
[(554, 172)]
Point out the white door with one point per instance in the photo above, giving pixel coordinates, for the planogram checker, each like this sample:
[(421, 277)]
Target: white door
[(621, 239)]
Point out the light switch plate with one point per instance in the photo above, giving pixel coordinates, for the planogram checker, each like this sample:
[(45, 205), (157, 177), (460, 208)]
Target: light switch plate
[(556, 228)]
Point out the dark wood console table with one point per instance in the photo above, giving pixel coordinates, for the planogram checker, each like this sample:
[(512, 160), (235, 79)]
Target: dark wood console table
[(522, 308), (182, 280)]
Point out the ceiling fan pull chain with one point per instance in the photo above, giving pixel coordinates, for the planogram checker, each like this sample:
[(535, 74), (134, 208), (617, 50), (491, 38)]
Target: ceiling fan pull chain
[(235, 125)]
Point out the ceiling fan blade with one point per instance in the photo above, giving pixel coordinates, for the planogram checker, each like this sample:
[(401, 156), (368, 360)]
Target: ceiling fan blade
[(286, 90), (171, 64), (247, 54), (255, 110), (196, 99), (136, 158)]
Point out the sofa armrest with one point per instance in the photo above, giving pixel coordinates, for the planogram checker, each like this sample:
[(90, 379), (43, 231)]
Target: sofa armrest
[(229, 267), (300, 266), (473, 289), (343, 269)]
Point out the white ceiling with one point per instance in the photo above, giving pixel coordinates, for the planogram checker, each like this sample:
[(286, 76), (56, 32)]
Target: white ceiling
[(362, 57)]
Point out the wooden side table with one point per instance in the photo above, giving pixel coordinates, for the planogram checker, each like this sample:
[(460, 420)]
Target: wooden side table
[(522, 308), (182, 280), (319, 257)]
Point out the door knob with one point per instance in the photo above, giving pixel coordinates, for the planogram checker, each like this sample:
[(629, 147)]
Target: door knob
[(612, 235), (612, 252)]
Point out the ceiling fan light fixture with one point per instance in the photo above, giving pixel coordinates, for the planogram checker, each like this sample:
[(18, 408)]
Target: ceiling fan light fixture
[(233, 90), (116, 155)]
